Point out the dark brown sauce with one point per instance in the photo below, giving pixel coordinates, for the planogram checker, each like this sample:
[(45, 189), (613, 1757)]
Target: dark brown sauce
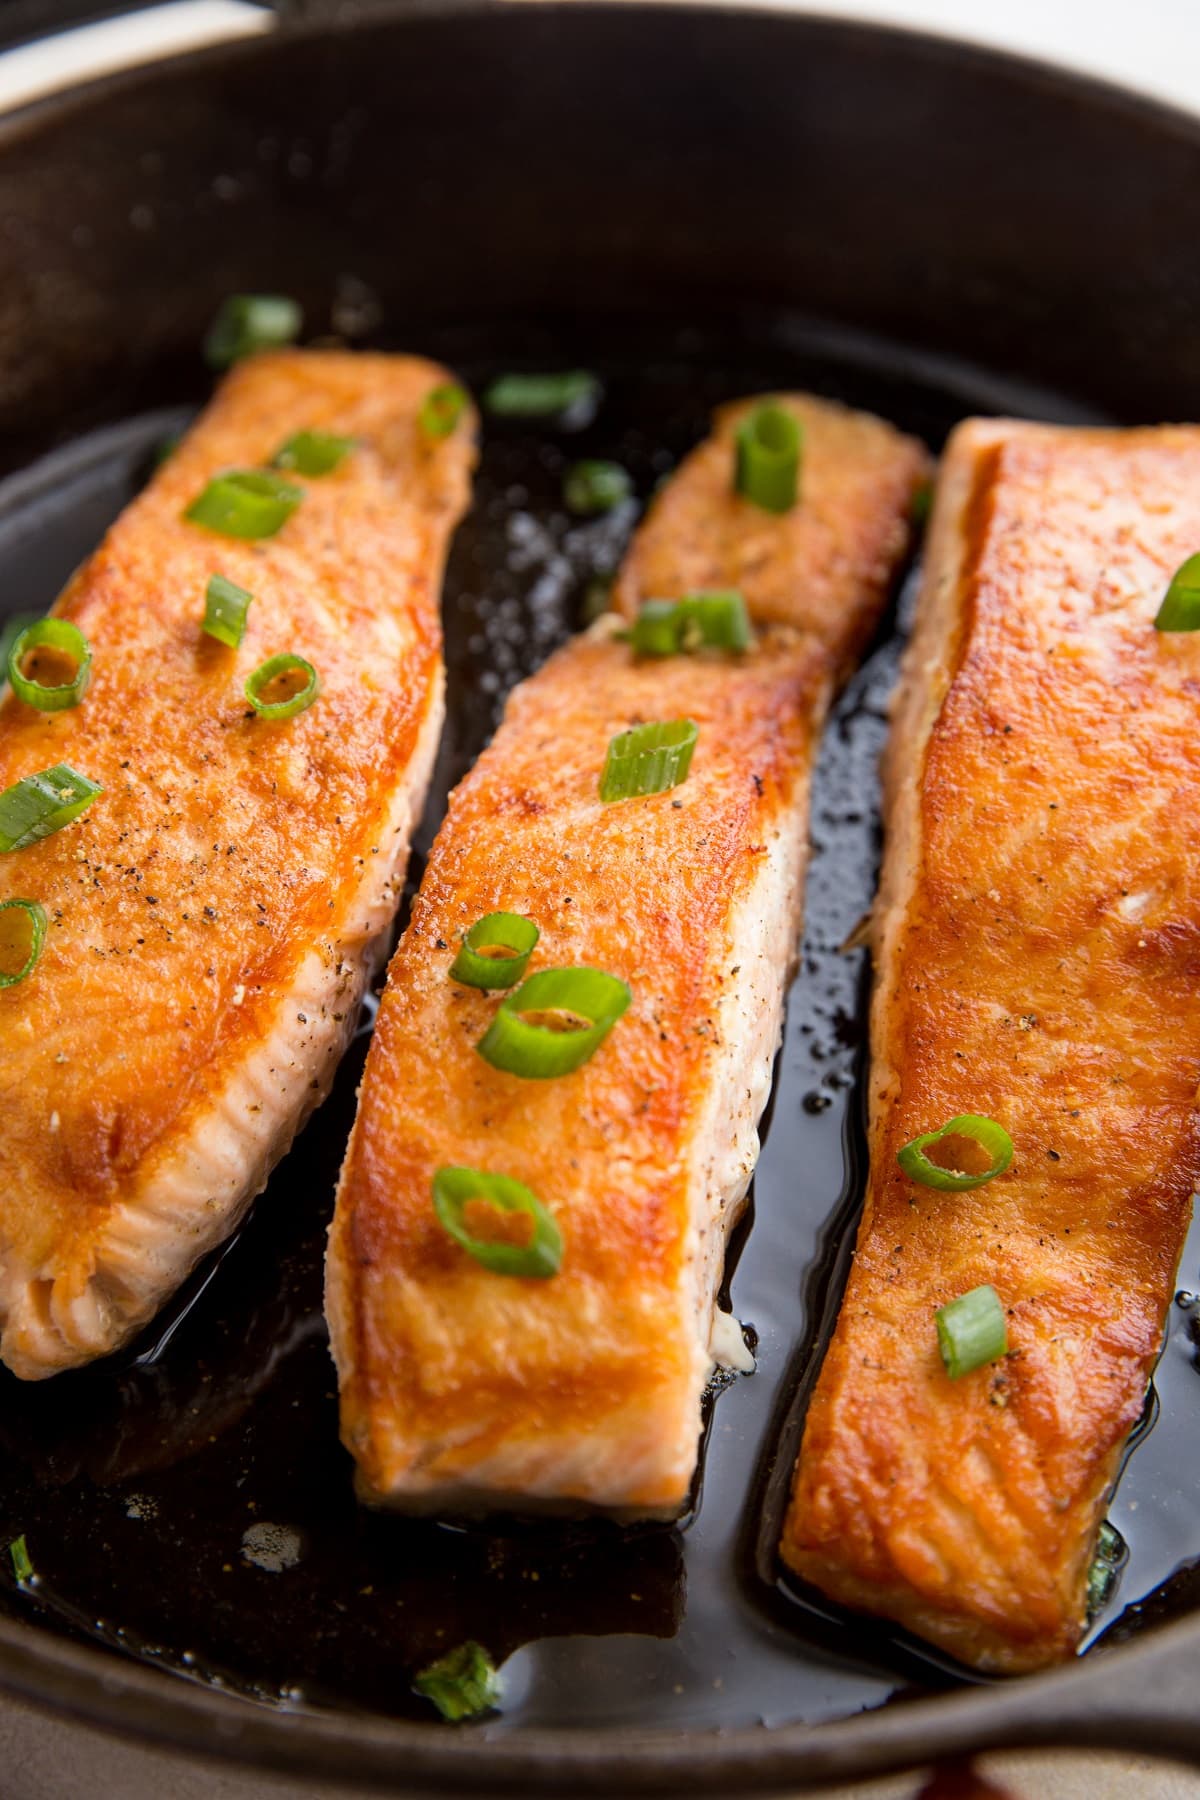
[(136, 1482)]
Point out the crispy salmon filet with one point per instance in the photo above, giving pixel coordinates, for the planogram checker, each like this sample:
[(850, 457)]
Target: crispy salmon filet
[(1037, 961), (214, 913), (462, 1388)]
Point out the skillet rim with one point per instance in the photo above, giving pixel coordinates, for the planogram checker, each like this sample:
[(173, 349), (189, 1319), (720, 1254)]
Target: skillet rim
[(1137, 1696)]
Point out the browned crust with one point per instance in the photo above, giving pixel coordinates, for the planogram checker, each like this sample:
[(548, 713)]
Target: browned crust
[(224, 850), (1037, 962), (458, 1384)]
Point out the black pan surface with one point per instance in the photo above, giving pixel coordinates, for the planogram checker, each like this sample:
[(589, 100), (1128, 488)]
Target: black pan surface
[(187, 1505)]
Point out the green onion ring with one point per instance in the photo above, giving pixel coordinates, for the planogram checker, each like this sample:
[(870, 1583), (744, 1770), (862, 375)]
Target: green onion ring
[(313, 453), (441, 409), (225, 608), (38, 805), (1180, 610), (553, 1022), (455, 1188), (54, 634), (991, 1138), (649, 759), (768, 450), (1111, 1553), (463, 1684), (22, 1565), (37, 937), (572, 398), (245, 503), (249, 322), (10, 631), (710, 619), (971, 1331), (510, 936), (593, 487), (275, 666)]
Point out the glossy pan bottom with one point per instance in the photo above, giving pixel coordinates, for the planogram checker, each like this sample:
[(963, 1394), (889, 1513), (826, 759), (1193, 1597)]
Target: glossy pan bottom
[(188, 1504)]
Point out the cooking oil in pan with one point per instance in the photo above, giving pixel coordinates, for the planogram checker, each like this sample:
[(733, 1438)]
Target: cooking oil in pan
[(188, 1502)]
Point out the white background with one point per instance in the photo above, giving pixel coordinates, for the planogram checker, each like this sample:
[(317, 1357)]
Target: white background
[(1151, 44)]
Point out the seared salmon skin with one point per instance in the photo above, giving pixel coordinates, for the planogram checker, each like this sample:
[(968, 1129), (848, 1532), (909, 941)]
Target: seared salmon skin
[(1037, 959), (213, 914), (464, 1386)]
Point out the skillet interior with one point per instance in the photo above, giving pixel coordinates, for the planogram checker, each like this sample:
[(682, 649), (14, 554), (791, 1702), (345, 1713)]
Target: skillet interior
[(387, 178)]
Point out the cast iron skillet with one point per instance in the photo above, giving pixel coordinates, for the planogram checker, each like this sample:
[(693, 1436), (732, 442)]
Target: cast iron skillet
[(698, 200)]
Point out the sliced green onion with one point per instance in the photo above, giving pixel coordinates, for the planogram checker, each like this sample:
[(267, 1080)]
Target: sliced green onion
[(36, 915), (596, 487), (245, 503), (463, 1684), (22, 1567), (10, 631), (1180, 610), (457, 1191), (313, 452), (1106, 1566), (769, 445), (649, 759), (495, 952), (249, 322), (441, 409), (38, 805), (920, 505), (971, 1331), (298, 679), (572, 399), (710, 619), (553, 1022), (992, 1140), (65, 639), (225, 608)]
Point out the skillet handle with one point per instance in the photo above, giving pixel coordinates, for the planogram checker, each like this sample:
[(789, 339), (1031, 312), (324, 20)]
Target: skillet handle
[(1143, 1699)]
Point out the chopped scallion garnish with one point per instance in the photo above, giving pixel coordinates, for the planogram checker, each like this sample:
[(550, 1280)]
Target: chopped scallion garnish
[(10, 631), (1180, 610), (313, 452), (249, 322), (595, 487), (521, 1236), (225, 608), (988, 1139), (572, 399), (282, 686), (495, 952), (463, 1684), (1110, 1554), (649, 759), (971, 1331), (22, 1566), (38, 805), (67, 645), (769, 444), (32, 948), (441, 409), (711, 619), (245, 503), (553, 1022)]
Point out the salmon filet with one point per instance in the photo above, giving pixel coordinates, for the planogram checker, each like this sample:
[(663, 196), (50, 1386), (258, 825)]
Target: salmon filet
[(463, 1388), (1037, 960), (214, 913)]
